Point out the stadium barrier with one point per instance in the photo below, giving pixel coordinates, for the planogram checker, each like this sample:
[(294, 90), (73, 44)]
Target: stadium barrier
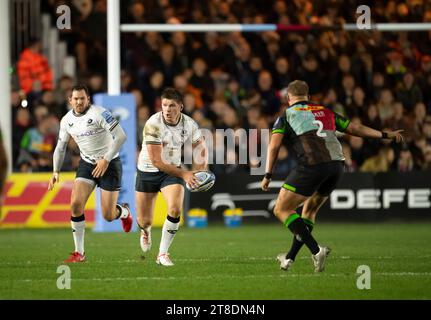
[(358, 197), (29, 204)]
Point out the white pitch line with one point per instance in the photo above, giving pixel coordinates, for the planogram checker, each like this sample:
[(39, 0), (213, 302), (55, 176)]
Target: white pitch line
[(226, 259), (215, 277)]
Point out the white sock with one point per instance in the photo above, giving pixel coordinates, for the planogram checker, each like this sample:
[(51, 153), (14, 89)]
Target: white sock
[(124, 212), (78, 231), (168, 233)]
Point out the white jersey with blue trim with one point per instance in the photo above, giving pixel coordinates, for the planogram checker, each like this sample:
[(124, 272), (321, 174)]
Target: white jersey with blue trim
[(90, 130), (171, 137)]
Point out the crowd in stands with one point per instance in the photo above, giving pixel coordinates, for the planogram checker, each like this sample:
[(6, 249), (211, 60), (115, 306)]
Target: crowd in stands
[(236, 80)]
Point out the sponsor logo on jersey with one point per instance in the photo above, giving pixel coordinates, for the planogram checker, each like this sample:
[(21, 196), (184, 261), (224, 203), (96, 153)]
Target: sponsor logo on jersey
[(70, 125), (108, 117), (90, 121), (310, 108), (88, 133)]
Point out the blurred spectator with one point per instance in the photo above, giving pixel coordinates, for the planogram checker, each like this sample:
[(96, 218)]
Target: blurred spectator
[(416, 121), (240, 66), (182, 50), (37, 145), (408, 92), (311, 74), (395, 68), (269, 100), (345, 97), (331, 101), (96, 84), (64, 85), (234, 79), (33, 68), (234, 95), (200, 119), (20, 126), (167, 64), (405, 161), (201, 80), (40, 113), (385, 104), (358, 105), (189, 104), (380, 162), (377, 85), (372, 118), (356, 147), (282, 77), (417, 148), (398, 119)]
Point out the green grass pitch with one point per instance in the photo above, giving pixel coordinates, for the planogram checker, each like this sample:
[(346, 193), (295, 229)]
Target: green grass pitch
[(221, 263)]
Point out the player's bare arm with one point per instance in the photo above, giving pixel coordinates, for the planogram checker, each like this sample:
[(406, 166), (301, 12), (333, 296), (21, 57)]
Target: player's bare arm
[(155, 154), (273, 149), (359, 130)]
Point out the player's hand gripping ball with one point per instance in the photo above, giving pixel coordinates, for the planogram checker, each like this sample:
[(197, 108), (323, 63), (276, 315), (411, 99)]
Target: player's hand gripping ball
[(206, 181)]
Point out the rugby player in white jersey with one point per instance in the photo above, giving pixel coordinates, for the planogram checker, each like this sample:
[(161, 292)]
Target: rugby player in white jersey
[(159, 169), (99, 137)]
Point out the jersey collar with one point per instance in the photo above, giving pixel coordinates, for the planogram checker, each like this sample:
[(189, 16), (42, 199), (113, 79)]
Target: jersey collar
[(81, 114), (172, 125), (300, 102)]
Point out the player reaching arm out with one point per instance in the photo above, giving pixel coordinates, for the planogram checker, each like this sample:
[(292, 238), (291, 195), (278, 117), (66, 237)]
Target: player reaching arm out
[(311, 130), (359, 130), (354, 129)]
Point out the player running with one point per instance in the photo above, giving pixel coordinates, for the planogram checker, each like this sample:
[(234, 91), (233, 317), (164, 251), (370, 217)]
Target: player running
[(310, 129), (99, 137), (159, 169)]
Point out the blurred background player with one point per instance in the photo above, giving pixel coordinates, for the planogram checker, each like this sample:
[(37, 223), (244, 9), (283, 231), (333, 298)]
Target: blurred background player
[(3, 169), (311, 129), (159, 169), (99, 137)]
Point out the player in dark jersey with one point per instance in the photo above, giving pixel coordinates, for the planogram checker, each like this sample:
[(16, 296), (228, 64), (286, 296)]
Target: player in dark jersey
[(311, 129)]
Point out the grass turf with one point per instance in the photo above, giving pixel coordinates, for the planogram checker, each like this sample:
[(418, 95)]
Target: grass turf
[(221, 263)]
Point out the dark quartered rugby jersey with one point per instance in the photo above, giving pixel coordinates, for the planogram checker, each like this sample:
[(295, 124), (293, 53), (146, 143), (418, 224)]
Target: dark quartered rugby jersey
[(310, 128)]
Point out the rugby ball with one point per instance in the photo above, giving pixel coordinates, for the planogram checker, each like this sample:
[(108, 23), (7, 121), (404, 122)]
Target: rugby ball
[(206, 181)]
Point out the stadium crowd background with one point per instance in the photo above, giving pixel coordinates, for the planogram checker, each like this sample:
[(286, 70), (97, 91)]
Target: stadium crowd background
[(235, 80)]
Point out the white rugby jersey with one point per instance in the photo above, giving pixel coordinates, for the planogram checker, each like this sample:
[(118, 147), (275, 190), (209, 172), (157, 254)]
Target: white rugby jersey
[(172, 138), (90, 130)]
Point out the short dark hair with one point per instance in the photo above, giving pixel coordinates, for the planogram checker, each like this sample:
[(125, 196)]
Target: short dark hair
[(298, 88), (81, 87), (172, 94), (33, 40)]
